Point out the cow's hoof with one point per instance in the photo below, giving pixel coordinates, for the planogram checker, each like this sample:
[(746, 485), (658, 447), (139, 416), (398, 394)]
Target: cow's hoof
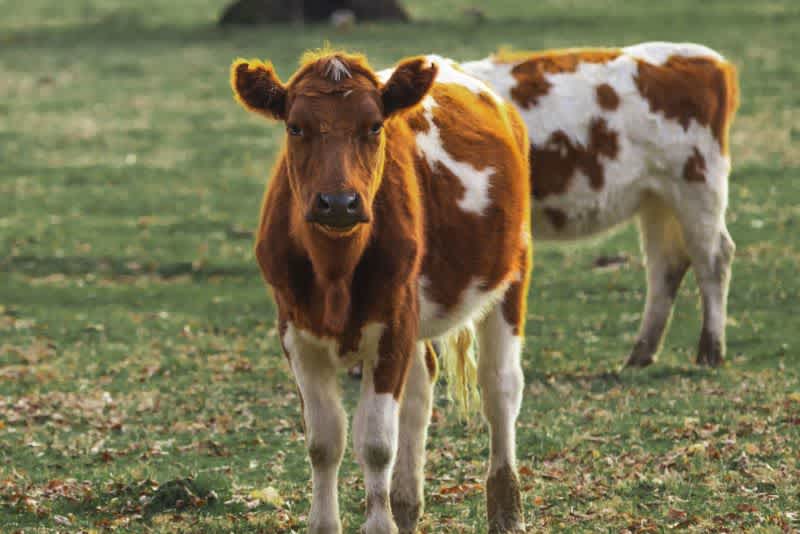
[(504, 502), (710, 350), (641, 355), (406, 514), (379, 526)]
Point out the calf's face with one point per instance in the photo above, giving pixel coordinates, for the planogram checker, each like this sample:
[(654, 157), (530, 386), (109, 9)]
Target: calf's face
[(334, 109)]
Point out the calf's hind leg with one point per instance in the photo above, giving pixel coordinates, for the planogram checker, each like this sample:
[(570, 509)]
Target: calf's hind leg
[(500, 378), (666, 261)]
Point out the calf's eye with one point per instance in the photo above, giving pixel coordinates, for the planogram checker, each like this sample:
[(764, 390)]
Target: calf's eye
[(293, 129), (376, 128)]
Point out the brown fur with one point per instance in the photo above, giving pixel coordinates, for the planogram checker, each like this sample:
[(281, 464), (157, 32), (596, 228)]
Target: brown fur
[(694, 170), (334, 283), (554, 164), (531, 74), (607, 97), (459, 261), (516, 297), (504, 501), (687, 88)]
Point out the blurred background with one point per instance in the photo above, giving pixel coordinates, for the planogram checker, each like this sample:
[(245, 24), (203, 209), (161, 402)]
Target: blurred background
[(141, 381)]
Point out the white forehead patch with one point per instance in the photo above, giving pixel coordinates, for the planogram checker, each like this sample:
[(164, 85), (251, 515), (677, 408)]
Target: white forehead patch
[(336, 70)]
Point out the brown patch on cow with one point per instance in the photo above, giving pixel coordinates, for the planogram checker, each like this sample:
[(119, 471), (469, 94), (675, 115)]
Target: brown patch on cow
[(556, 217), (515, 300), (607, 97), (532, 69), (554, 164), (692, 88), (694, 170), (497, 229), (504, 501)]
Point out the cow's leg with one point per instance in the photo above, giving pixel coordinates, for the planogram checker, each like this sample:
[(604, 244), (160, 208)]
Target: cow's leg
[(711, 251), (325, 428), (711, 261), (375, 427), (666, 261), (500, 378), (407, 496)]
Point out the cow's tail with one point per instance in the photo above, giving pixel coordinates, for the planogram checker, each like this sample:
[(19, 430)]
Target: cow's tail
[(457, 352)]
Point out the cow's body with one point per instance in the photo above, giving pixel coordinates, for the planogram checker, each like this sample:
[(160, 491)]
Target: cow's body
[(447, 243), (642, 131)]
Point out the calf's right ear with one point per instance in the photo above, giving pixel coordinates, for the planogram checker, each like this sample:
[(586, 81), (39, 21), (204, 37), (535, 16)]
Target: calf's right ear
[(257, 88)]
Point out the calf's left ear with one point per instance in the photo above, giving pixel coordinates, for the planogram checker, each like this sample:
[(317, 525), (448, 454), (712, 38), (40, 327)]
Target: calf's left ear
[(258, 88), (410, 82)]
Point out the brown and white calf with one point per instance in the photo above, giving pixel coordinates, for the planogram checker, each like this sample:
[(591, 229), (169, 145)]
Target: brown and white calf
[(641, 130), (397, 212)]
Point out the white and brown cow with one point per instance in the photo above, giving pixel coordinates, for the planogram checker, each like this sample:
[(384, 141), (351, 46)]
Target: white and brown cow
[(397, 212), (641, 130)]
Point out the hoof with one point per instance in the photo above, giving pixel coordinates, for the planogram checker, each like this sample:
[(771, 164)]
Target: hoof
[(710, 350), (641, 355), (406, 514), (504, 502)]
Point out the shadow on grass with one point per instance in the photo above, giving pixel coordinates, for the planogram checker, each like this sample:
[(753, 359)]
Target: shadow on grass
[(603, 380)]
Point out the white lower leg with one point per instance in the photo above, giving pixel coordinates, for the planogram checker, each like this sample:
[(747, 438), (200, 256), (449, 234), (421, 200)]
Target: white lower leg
[(408, 476), (501, 382), (325, 429), (375, 431)]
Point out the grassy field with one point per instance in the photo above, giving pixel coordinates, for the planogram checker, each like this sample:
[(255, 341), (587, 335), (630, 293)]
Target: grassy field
[(141, 382)]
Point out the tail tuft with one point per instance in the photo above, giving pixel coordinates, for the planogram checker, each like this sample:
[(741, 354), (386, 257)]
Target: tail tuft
[(461, 370)]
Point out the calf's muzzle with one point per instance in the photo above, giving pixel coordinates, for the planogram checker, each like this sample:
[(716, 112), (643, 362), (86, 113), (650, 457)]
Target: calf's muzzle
[(339, 210)]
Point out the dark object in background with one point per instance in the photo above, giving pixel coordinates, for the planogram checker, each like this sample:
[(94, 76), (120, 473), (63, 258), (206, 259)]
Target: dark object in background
[(252, 12)]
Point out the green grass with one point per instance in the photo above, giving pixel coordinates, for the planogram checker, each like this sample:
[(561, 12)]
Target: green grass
[(137, 343)]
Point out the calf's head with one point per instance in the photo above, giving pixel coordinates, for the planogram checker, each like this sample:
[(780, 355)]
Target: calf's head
[(334, 108)]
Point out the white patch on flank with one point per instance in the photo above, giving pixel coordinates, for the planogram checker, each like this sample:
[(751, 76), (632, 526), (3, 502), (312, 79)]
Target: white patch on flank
[(658, 52), (474, 303), (475, 182), (336, 70)]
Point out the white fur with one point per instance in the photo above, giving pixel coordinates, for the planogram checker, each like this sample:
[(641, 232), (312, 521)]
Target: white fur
[(375, 435), (475, 182), (658, 52), (326, 425), (652, 152), (474, 303), (501, 382)]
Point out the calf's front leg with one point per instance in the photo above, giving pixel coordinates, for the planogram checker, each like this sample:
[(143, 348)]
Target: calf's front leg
[(376, 423), (325, 428)]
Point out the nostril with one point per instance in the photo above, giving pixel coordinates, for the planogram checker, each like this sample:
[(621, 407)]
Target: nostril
[(323, 204), (353, 204)]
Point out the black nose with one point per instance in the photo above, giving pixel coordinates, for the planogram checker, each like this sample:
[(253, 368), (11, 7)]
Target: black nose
[(339, 210)]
